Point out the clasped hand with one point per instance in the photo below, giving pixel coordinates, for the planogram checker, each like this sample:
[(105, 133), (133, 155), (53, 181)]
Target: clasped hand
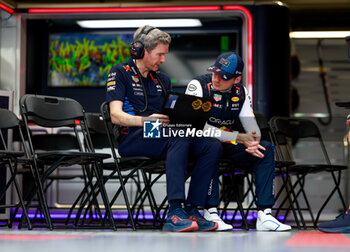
[(252, 141)]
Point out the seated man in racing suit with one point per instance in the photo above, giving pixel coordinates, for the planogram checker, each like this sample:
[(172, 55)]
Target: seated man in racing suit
[(230, 102), (135, 90)]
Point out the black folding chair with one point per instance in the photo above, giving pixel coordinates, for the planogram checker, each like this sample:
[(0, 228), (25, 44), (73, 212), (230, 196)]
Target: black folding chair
[(58, 112), (151, 171), (285, 132), (243, 175), (280, 167), (122, 173), (231, 191), (9, 160), (62, 140)]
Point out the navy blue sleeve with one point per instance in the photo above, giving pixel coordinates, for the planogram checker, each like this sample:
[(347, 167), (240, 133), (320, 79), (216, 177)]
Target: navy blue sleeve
[(115, 85)]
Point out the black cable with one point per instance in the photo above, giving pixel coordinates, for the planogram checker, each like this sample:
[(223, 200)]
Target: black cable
[(143, 90), (161, 83)]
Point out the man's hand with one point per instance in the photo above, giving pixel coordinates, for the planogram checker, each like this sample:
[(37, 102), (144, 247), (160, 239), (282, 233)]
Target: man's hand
[(254, 149), (164, 119), (252, 141)]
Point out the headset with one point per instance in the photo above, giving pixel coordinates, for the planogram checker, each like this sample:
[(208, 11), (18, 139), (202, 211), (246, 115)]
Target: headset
[(137, 49)]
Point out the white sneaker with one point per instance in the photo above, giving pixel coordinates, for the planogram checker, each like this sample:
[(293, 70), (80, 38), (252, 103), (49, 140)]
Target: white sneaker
[(266, 222), (211, 214)]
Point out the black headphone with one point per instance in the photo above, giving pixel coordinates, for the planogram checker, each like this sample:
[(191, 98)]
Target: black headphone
[(137, 49)]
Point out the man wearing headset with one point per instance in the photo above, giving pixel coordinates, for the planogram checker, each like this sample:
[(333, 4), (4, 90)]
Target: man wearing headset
[(135, 90), (231, 101)]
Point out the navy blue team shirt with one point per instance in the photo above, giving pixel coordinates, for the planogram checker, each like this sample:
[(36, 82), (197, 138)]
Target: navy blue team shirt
[(124, 84)]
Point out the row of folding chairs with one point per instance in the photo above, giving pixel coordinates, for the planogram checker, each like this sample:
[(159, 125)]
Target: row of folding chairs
[(291, 197), (42, 155)]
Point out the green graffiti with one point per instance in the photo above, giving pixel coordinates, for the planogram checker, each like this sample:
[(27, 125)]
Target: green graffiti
[(84, 62)]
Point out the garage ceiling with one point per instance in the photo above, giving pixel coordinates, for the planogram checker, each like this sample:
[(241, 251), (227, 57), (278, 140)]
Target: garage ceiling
[(305, 14)]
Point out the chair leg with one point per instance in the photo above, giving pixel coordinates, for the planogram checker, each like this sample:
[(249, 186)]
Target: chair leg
[(337, 183), (336, 188), (146, 193), (297, 194), (13, 171), (159, 209), (80, 197), (87, 199), (232, 193), (38, 189), (287, 183), (19, 194), (251, 190), (126, 199), (241, 210), (99, 177), (93, 192), (92, 202), (122, 189), (308, 206), (149, 194)]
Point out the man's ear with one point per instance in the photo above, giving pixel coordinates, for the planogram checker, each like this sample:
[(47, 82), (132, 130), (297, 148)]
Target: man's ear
[(145, 52), (238, 79)]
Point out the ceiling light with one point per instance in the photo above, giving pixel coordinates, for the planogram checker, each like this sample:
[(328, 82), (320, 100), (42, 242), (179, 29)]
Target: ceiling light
[(319, 34), (134, 23)]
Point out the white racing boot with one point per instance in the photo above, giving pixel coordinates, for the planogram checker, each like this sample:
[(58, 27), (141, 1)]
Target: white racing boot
[(266, 222), (211, 214)]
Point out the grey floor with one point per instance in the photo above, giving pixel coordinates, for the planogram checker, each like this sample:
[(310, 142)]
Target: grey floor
[(157, 241)]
